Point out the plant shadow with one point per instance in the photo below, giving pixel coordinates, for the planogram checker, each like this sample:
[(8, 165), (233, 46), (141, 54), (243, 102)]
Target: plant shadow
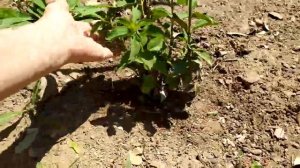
[(62, 114)]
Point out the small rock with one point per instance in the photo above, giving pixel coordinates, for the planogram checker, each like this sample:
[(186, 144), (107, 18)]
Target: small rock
[(207, 155), (259, 22), (228, 82), (237, 34), (215, 112), (222, 120), (256, 151), (296, 161), (298, 118), (295, 145), (285, 65), (275, 15), (227, 142), (252, 23), (138, 151), (221, 53), (157, 164), (135, 159), (289, 94), (75, 75), (241, 138), (221, 81), (279, 133), (293, 19), (266, 27), (251, 77), (297, 48)]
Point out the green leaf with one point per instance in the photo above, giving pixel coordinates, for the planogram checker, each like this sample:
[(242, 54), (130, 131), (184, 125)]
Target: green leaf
[(73, 3), (180, 67), (10, 22), (74, 146), (148, 59), (124, 60), (10, 13), (7, 117), (123, 22), (148, 85), (156, 43), (154, 31), (39, 3), (194, 3), (144, 40), (203, 20), (172, 82), (180, 22), (121, 3), (161, 66), (182, 15), (256, 165), (33, 13), (158, 13), (182, 2), (35, 93), (27, 141), (145, 22), (205, 56), (117, 33), (135, 48), (87, 11), (136, 14)]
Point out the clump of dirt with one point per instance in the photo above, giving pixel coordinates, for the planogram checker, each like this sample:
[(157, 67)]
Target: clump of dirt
[(246, 108)]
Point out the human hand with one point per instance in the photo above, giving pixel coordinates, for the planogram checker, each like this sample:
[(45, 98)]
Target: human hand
[(69, 40)]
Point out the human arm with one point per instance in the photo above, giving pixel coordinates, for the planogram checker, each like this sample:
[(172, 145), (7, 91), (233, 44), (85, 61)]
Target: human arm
[(32, 51)]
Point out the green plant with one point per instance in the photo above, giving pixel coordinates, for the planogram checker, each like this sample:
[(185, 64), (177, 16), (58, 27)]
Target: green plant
[(158, 40), (160, 46)]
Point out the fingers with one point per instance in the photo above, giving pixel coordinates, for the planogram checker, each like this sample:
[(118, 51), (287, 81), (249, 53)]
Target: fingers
[(90, 51), (96, 50)]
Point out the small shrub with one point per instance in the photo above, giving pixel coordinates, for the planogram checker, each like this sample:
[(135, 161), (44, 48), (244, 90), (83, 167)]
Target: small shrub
[(158, 38)]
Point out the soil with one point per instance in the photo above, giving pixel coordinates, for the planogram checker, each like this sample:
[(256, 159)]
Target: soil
[(247, 107)]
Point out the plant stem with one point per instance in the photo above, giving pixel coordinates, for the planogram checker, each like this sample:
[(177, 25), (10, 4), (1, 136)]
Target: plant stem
[(190, 20), (142, 6), (189, 26), (172, 29)]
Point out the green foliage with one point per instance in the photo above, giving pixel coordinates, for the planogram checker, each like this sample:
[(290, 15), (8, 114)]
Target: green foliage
[(7, 117), (149, 32), (256, 165)]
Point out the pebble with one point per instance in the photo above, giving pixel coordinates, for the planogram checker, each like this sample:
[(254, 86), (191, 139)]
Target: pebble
[(250, 77), (275, 15), (279, 133), (295, 145), (256, 151), (297, 48), (296, 161), (259, 22)]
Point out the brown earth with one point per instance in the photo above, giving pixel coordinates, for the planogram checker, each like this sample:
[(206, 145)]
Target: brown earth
[(251, 94)]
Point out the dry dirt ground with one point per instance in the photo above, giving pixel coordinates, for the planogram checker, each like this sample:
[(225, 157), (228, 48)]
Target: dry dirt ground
[(247, 109)]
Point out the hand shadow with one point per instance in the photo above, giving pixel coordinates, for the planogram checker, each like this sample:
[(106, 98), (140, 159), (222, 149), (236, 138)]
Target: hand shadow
[(64, 113)]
